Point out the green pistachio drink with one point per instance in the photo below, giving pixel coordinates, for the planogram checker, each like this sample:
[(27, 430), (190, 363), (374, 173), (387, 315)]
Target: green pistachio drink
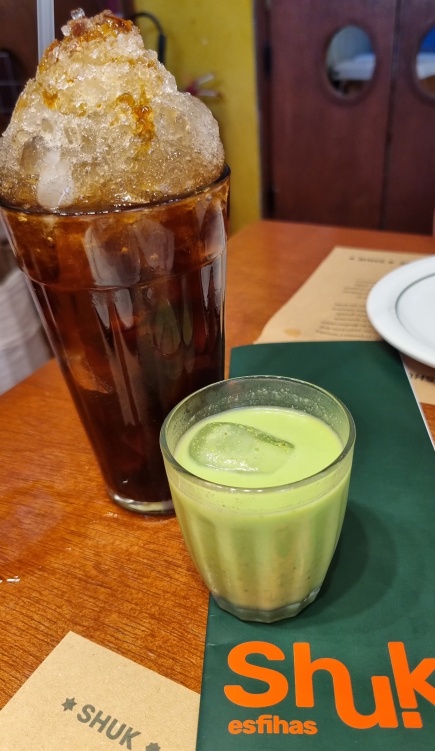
[(259, 470)]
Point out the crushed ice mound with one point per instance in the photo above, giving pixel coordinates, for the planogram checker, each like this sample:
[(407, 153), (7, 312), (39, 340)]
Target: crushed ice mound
[(103, 125)]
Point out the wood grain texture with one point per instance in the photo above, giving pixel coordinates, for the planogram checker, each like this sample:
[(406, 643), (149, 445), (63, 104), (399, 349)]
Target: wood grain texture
[(86, 565)]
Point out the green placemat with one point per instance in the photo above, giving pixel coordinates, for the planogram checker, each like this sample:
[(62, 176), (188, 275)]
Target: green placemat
[(372, 628)]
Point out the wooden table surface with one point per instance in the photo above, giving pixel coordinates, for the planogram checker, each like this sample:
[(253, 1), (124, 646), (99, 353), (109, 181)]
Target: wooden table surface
[(83, 563)]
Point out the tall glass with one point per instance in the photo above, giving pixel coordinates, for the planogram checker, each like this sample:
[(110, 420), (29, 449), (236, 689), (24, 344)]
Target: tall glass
[(132, 301)]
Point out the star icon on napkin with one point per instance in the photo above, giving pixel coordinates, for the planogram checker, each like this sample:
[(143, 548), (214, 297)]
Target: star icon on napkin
[(69, 704), (153, 747)]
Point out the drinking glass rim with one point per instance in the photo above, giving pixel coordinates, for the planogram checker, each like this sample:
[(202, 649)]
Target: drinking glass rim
[(209, 484), (121, 209)]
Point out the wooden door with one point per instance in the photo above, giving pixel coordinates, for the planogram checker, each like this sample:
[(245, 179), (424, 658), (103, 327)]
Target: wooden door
[(327, 150), (410, 164)]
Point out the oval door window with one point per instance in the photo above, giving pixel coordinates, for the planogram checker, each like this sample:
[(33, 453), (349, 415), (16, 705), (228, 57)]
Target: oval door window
[(425, 62), (350, 61)]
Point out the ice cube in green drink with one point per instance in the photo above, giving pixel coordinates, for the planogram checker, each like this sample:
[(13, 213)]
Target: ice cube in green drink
[(239, 448)]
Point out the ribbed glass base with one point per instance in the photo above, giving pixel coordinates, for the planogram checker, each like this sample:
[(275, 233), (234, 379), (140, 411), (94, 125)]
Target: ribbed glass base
[(267, 616)]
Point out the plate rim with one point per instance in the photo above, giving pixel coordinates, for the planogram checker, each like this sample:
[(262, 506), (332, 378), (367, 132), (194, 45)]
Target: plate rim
[(381, 308)]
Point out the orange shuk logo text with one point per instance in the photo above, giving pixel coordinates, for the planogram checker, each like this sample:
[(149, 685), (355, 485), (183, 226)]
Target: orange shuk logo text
[(410, 683)]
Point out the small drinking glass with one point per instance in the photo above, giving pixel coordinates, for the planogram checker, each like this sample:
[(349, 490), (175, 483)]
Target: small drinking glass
[(262, 551)]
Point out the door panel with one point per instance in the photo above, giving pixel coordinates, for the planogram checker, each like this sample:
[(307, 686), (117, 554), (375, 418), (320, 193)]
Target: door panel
[(410, 166), (327, 150)]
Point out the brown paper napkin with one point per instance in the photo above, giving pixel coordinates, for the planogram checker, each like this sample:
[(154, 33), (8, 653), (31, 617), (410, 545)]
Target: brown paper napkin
[(85, 697)]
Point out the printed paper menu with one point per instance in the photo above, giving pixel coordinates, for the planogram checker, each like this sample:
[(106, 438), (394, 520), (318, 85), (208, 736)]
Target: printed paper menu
[(84, 697), (331, 306)]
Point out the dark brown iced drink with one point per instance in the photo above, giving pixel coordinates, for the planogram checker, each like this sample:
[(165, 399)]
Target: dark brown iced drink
[(116, 205)]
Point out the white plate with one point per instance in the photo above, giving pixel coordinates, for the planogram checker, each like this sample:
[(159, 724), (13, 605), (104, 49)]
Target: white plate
[(401, 307)]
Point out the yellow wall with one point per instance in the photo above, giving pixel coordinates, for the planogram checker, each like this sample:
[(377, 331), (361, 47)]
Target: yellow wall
[(218, 37)]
